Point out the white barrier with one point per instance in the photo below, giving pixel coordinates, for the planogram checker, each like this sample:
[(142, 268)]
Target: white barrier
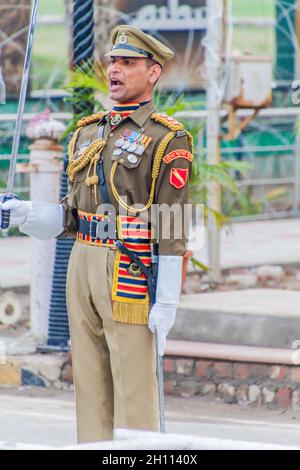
[(125, 439)]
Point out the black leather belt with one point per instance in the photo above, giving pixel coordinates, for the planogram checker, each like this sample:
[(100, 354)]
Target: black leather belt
[(98, 229)]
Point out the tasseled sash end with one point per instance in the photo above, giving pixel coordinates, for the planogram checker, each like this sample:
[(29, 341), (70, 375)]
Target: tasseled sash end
[(130, 313)]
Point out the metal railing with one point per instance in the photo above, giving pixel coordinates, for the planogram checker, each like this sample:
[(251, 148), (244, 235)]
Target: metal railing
[(293, 149)]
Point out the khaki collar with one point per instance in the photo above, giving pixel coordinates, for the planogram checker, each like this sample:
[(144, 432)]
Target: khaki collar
[(139, 116)]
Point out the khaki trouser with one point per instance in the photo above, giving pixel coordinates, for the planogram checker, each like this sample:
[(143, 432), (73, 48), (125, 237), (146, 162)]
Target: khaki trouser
[(114, 364)]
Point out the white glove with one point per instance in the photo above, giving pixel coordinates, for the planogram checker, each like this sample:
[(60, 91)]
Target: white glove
[(42, 220), (161, 319), (45, 220), (19, 210)]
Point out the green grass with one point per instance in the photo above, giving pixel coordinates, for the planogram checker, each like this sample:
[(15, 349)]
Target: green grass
[(51, 7), (50, 55), (250, 38), (246, 8), (264, 8), (262, 40)]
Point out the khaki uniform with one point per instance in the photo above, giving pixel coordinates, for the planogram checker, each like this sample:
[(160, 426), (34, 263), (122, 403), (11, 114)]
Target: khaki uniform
[(114, 361)]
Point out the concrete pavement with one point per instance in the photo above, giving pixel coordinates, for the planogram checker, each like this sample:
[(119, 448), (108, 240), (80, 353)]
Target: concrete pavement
[(255, 243), (252, 317), (48, 418), (14, 262)]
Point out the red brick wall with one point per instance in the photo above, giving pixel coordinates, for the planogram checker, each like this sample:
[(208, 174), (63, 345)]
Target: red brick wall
[(275, 386), (272, 386)]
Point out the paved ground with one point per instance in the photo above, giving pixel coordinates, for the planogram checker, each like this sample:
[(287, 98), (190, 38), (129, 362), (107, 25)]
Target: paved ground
[(14, 262), (252, 317), (242, 244), (268, 302), (256, 243), (47, 417)]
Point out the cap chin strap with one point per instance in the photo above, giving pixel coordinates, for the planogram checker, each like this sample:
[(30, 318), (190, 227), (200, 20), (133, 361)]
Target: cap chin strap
[(134, 49)]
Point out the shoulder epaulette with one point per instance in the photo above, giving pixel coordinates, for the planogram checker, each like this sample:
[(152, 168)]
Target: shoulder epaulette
[(92, 118), (167, 121)]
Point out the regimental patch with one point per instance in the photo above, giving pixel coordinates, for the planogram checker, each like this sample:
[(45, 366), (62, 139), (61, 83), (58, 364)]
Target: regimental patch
[(180, 153), (179, 177)]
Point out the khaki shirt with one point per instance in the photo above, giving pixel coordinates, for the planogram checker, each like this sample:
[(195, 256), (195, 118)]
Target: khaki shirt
[(133, 178)]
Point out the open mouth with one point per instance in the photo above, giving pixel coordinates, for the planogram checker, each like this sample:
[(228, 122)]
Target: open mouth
[(115, 84)]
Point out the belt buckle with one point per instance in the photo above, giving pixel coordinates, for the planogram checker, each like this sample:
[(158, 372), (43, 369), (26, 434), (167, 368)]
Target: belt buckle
[(91, 229)]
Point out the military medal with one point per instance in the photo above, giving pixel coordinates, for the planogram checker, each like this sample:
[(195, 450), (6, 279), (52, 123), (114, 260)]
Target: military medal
[(120, 142), (144, 141), (133, 142), (132, 147), (137, 143), (133, 137), (117, 152), (140, 149), (126, 144), (132, 158), (123, 141)]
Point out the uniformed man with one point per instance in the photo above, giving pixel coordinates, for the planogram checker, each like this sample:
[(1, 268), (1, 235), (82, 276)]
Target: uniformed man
[(129, 156)]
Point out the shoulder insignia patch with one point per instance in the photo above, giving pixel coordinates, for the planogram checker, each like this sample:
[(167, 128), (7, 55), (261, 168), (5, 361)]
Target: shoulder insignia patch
[(90, 119), (167, 121), (180, 153), (179, 177)]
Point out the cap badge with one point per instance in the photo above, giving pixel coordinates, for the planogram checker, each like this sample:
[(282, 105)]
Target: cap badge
[(123, 38)]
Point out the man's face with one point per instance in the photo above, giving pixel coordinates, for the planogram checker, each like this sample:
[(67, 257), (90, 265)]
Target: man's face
[(131, 79)]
